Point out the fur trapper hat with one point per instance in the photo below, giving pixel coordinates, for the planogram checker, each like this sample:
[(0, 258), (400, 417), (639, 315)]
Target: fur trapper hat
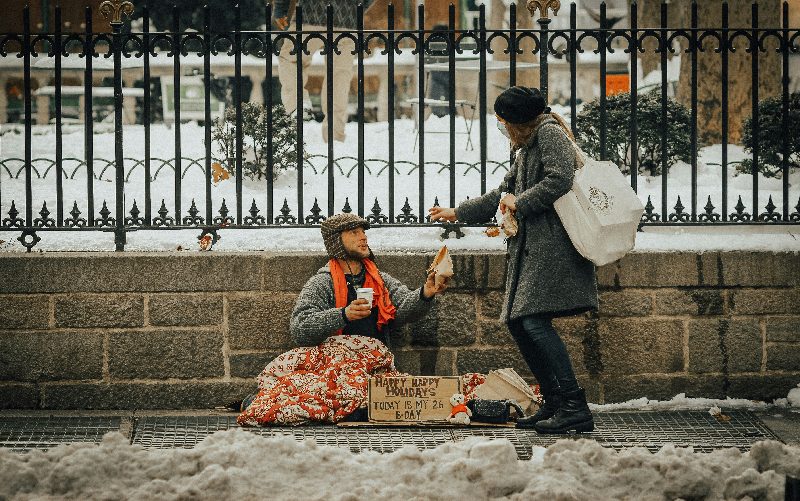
[(332, 229)]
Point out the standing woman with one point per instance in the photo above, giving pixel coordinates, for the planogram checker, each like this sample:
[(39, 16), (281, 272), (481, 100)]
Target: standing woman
[(547, 278)]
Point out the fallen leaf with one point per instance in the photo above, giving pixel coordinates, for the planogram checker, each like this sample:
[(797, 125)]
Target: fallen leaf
[(492, 231), (218, 172)]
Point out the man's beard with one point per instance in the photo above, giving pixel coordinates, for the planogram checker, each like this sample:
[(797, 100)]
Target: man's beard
[(358, 254)]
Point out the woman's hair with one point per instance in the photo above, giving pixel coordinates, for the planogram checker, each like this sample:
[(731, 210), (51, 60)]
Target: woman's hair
[(520, 134)]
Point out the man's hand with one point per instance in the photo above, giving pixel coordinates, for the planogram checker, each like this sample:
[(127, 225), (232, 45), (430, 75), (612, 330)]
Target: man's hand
[(442, 213), (508, 202), (357, 310), (429, 289), (282, 23)]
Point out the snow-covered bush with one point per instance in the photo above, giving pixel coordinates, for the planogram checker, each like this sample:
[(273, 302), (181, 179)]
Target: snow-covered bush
[(254, 140), (618, 131), (771, 134)]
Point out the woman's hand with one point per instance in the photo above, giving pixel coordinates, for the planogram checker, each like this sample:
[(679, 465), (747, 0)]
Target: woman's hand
[(442, 213), (430, 289), (509, 201), (357, 310)]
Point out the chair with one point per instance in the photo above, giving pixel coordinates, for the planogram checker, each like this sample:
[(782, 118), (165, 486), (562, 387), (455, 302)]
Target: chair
[(436, 85)]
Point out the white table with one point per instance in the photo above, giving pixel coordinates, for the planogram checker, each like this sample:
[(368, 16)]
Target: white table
[(462, 65)]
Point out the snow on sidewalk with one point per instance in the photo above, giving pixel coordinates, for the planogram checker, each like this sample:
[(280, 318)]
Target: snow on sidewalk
[(398, 239), (239, 464), (236, 463)]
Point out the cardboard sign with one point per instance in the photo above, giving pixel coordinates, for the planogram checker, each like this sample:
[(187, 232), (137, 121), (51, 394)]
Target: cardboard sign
[(412, 399)]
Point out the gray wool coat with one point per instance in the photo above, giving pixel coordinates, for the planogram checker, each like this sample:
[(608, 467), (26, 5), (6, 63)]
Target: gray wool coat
[(546, 276), (315, 315)]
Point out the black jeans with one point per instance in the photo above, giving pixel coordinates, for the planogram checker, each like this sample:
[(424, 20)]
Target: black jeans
[(545, 354)]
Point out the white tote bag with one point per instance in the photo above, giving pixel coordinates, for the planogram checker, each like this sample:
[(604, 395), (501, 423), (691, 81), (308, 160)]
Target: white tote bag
[(601, 212)]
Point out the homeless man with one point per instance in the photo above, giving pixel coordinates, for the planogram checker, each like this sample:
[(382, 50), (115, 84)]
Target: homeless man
[(327, 304), (342, 340)]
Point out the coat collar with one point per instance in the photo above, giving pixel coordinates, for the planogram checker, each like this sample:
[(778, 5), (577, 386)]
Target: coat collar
[(542, 120)]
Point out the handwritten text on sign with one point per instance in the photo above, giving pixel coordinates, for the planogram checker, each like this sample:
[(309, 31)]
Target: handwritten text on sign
[(411, 398)]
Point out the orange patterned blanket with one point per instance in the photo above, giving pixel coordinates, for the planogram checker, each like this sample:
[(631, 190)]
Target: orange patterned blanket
[(324, 383)]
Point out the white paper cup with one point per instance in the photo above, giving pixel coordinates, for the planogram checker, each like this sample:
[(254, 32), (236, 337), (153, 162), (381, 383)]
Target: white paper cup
[(365, 293)]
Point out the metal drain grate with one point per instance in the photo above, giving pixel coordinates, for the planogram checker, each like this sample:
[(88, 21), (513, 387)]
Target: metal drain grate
[(697, 429), (188, 431), (167, 432), (522, 440), (22, 434), (382, 439), (617, 430), (651, 430)]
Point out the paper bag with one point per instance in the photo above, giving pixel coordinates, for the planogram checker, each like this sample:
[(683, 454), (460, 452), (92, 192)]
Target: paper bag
[(509, 224), (442, 265)]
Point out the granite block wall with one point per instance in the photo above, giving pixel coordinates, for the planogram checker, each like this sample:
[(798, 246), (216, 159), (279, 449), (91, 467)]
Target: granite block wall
[(192, 330)]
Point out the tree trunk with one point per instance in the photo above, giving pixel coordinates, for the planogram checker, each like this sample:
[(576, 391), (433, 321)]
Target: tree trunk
[(375, 16), (740, 74), (794, 13), (649, 17)]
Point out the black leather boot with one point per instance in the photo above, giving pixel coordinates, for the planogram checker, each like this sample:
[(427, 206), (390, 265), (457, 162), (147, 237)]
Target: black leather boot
[(572, 415), (546, 411)]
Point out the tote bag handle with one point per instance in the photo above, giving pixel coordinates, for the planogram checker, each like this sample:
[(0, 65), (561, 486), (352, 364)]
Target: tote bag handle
[(580, 156)]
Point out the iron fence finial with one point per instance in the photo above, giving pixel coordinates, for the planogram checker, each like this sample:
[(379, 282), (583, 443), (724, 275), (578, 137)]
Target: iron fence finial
[(543, 6), (114, 9)]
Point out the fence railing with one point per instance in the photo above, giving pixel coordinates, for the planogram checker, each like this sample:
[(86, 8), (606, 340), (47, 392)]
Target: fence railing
[(511, 48)]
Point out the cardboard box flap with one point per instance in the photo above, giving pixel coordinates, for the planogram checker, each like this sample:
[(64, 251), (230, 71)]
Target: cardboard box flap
[(503, 384)]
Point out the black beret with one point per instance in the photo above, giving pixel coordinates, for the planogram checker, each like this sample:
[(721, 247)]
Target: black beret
[(518, 105)]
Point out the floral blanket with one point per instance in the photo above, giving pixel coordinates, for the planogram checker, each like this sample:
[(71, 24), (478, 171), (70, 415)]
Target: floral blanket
[(324, 383)]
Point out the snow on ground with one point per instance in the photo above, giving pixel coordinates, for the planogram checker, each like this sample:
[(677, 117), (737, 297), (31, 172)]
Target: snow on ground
[(682, 402), (794, 397), (235, 463), (315, 179), (404, 240), (241, 465)]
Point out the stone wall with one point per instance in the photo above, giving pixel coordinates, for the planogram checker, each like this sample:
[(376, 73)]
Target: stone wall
[(184, 330)]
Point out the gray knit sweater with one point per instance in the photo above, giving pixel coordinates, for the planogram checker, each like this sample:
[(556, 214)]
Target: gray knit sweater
[(315, 315)]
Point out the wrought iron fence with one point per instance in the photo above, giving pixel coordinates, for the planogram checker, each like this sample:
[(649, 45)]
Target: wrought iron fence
[(122, 44)]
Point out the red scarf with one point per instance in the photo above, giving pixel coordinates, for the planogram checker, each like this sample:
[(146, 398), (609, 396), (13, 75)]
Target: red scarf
[(373, 280)]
